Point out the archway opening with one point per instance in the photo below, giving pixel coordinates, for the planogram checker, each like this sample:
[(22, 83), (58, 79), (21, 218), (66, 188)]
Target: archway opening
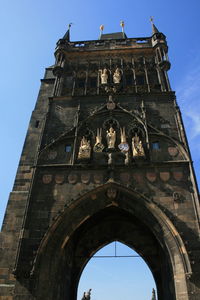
[(118, 272)]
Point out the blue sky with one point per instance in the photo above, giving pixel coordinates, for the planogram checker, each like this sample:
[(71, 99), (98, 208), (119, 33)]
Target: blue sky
[(29, 31)]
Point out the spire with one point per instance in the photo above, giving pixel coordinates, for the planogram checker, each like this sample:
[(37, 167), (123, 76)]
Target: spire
[(67, 34), (154, 28)]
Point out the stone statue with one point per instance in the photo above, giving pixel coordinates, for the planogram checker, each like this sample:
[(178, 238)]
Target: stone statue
[(117, 76), (86, 295), (153, 295), (137, 147), (104, 76), (111, 138), (98, 147), (84, 149)]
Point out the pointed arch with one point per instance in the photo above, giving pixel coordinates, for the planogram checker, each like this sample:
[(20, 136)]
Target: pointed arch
[(110, 212)]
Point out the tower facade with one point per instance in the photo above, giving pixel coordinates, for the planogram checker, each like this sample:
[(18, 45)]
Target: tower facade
[(105, 158)]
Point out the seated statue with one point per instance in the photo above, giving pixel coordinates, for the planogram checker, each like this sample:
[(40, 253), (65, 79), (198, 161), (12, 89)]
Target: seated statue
[(137, 146), (84, 149)]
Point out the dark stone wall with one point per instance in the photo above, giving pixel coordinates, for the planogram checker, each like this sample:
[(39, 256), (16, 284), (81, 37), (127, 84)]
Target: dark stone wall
[(53, 179)]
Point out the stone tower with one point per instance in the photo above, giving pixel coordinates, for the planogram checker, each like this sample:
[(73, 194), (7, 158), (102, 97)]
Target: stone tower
[(105, 158)]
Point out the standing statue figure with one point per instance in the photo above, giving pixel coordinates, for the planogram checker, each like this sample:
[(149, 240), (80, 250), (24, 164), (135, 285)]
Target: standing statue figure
[(117, 76), (153, 295), (98, 147), (111, 138), (104, 76), (137, 147), (86, 295)]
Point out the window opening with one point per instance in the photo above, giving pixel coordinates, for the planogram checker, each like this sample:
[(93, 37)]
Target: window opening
[(93, 82), (140, 80), (81, 83), (68, 148), (129, 79), (37, 124), (155, 146)]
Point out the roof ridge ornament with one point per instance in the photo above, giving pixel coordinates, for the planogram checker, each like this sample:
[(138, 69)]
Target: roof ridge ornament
[(154, 28)]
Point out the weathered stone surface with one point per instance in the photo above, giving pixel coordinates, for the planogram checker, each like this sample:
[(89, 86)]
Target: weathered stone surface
[(63, 207)]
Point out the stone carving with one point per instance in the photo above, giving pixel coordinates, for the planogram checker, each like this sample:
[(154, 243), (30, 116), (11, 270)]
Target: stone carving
[(104, 76), (123, 146), (98, 178), (117, 76), (47, 178), (125, 178), (72, 178), (59, 178), (173, 151), (153, 295), (110, 104), (84, 149), (176, 197), (178, 175), (111, 193), (164, 176), (137, 147), (52, 154), (111, 138), (87, 295), (151, 176), (98, 147), (85, 178), (109, 158)]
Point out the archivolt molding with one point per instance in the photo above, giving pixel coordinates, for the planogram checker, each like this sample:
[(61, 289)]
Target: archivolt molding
[(172, 240)]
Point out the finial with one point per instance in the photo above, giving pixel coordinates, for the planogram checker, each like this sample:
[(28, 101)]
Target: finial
[(122, 25), (101, 27), (154, 28), (101, 30), (69, 25), (151, 20), (67, 34)]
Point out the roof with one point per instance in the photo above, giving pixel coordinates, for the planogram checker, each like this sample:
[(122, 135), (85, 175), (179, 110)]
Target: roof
[(113, 36)]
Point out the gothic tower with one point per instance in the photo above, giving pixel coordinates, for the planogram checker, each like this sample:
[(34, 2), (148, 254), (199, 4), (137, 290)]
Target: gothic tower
[(105, 158)]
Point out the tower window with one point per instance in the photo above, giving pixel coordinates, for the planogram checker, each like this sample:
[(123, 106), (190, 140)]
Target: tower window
[(93, 82), (68, 148), (37, 124), (140, 80), (129, 79), (81, 83), (155, 145)]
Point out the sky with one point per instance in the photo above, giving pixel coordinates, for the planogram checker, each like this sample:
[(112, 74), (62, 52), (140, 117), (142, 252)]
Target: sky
[(29, 31)]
